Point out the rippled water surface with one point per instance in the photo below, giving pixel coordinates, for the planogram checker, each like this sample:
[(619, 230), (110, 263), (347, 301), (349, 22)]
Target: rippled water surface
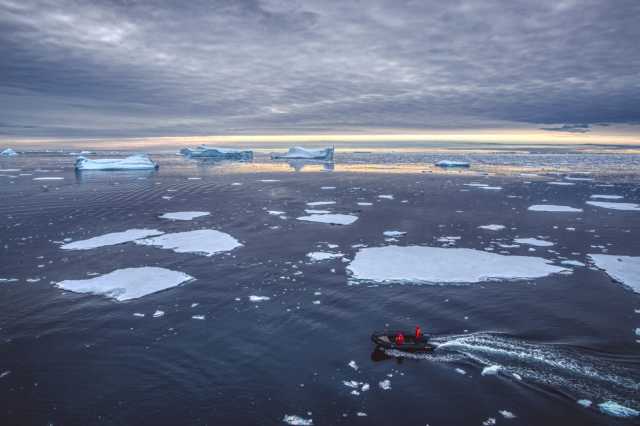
[(79, 359)]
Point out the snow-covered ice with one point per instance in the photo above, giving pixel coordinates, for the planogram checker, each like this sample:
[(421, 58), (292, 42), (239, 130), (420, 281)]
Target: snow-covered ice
[(607, 197), (534, 242), (451, 163), (572, 263), (183, 215), (553, 208), (203, 241), (111, 239), (316, 211), (385, 384), (492, 227), (298, 152), (616, 410), (561, 183), (393, 233), (507, 414), (254, 298), (623, 269), (134, 162), (491, 370), (8, 152), (386, 197), (297, 420), (128, 283), (429, 265), (585, 402), (318, 256), (49, 178), (320, 203), (334, 219), (615, 206), (353, 365)]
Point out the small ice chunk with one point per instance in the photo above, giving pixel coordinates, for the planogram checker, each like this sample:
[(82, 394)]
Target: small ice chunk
[(269, 180), (297, 420), (491, 370), (253, 298), (110, 239), (615, 206), (534, 242), (327, 187), (507, 414), (385, 384), (353, 365), (572, 263), (183, 215), (585, 403), (318, 256), (491, 188), (198, 317), (365, 387), (607, 196), (553, 208), (49, 178), (460, 371), (138, 314), (203, 241), (275, 212), (362, 203), (489, 422), (561, 183), (393, 233), (351, 384), (492, 227), (386, 197), (361, 414), (128, 283), (158, 313), (333, 219), (616, 410), (321, 203)]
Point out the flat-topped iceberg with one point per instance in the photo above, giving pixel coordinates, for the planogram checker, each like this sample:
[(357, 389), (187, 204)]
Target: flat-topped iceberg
[(133, 162), (204, 151), (450, 163), (435, 265), (8, 153), (128, 283), (300, 153), (203, 241), (623, 269)]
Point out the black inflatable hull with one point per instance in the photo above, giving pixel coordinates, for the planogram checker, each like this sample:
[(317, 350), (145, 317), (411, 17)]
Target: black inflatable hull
[(387, 341)]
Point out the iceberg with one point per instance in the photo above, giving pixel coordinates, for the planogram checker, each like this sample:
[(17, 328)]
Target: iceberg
[(436, 265), (449, 163), (299, 153), (204, 151), (134, 162), (128, 283), (623, 269), (8, 153)]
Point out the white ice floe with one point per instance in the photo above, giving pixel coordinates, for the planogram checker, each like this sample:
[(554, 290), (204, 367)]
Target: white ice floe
[(475, 184), (607, 197), (615, 206), (334, 219), (451, 163), (572, 263), (434, 265), (318, 256), (394, 233), (8, 153), (491, 188), (492, 227), (5, 373), (327, 187), (158, 313), (578, 178), (300, 153), (134, 162), (297, 420), (489, 422), (491, 370), (553, 208), (362, 203), (353, 365), (128, 283), (507, 414), (533, 242), (203, 241), (623, 269), (616, 410), (183, 215), (111, 239), (561, 183), (461, 371), (275, 212), (385, 385), (198, 317), (320, 203), (585, 403), (269, 180), (49, 178), (386, 197), (253, 298)]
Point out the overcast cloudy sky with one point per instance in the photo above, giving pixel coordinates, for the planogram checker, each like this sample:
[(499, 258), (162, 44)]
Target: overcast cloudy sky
[(150, 68)]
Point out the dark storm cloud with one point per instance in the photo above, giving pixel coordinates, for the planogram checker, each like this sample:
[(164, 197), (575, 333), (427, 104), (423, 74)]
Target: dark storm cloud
[(161, 68)]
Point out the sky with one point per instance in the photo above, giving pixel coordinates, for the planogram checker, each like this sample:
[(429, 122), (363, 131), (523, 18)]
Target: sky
[(170, 68)]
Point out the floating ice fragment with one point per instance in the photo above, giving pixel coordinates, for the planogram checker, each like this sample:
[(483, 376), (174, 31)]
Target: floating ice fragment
[(110, 239), (316, 211), (362, 203), (253, 298), (297, 420), (386, 197), (361, 414), (158, 313), (607, 196), (460, 371), (385, 385), (623, 269), (183, 215), (534, 242), (49, 178), (203, 241), (138, 314), (489, 422), (353, 365), (429, 265), (327, 187), (585, 403), (553, 208), (333, 219), (275, 212), (616, 410), (491, 370), (572, 263), (320, 203), (492, 227), (507, 414), (198, 317), (393, 233), (128, 283), (269, 180), (615, 206), (318, 256), (5, 373)]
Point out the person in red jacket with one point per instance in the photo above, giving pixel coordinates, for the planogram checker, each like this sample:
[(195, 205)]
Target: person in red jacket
[(399, 338), (418, 333)]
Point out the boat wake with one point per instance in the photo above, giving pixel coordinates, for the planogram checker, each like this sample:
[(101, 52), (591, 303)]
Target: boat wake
[(566, 369)]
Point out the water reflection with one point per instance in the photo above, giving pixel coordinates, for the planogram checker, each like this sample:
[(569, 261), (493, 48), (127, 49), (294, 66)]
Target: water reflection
[(298, 165), (84, 176)]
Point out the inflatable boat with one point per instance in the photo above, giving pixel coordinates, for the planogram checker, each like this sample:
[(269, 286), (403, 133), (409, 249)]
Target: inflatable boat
[(387, 340)]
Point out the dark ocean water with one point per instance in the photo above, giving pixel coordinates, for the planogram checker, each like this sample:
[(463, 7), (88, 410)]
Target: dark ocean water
[(80, 359)]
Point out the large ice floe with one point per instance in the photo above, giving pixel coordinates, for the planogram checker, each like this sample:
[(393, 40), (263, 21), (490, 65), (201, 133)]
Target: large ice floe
[(134, 162), (534, 242), (319, 256), (607, 197), (615, 206), (203, 241), (553, 208), (128, 283), (616, 410), (298, 152), (623, 269), (435, 265), (111, 239), (8, 153), (183, 215), (333, 219), (204, 151)]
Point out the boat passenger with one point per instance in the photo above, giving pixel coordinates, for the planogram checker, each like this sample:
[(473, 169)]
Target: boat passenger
[(399, 338), (418, 333)]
